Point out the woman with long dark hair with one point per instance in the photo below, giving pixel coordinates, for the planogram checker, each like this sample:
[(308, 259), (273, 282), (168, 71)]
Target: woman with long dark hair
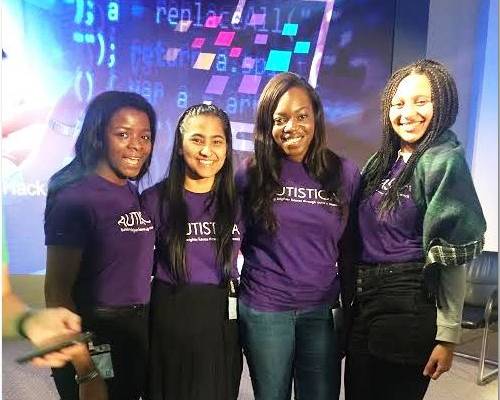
[(195, 351), (296, 195), (420, 221), (100, 244)]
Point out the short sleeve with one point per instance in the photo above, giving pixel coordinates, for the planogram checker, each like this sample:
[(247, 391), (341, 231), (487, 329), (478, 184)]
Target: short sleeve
[(69, 221), (150, 203)]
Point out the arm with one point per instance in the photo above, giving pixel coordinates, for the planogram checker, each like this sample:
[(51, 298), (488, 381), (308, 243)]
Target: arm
[(452, 236), (63, 266)]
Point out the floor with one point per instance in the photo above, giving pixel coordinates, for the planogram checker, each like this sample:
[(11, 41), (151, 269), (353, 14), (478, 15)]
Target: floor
[(29, 383)]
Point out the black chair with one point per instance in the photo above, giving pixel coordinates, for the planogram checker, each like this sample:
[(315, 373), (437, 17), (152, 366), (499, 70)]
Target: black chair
[(481, 308)]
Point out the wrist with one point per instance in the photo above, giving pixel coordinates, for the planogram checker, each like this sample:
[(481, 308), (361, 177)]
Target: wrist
[(21, 323), (448, 345), (89, 376)]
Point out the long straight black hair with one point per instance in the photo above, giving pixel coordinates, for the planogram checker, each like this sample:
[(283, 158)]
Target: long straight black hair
[(174, 208), (90, 146), (444, 99), (322, 164)]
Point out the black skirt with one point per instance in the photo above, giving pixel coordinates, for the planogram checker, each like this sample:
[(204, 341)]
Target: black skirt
[(195, 352)]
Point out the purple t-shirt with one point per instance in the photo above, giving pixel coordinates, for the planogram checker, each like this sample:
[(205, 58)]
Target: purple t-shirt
[(106, 221), (296, 267), (200, 251), (393, 237)]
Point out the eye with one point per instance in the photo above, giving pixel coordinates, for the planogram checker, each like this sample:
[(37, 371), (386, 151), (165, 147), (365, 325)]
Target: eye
[(123, 134), (147, 138), (279, 121), (218, 142), (422, 102), (302, 117), (398, 104), (197, 140)]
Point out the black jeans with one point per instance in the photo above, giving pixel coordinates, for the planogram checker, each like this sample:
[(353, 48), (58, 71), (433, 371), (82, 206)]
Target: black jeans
[(392, 335), (126, 330)]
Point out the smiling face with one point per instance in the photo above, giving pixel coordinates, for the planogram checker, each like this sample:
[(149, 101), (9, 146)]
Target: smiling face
[(128, 145), (411, 110), (293, 123), (204, 149)]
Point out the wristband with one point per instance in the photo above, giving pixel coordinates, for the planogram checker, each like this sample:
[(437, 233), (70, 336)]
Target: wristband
[(87, 377), (20, 323)]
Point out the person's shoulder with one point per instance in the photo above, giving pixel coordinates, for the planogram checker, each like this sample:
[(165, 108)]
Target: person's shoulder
[(152, 191), (77, 192), (445, 152), (150, 197), (349, 167)]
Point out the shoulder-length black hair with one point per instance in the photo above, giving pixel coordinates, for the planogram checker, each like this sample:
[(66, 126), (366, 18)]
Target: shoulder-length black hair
[(444, 99), (322, 164), (174, 208), (90, 146)]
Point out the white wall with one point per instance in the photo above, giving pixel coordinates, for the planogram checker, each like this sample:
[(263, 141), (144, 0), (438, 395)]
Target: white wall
[(485, 154)]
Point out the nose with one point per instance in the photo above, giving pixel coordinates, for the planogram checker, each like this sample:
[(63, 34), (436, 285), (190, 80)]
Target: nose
[(206, 150), (290, 125), (408, 110), (135, 143)]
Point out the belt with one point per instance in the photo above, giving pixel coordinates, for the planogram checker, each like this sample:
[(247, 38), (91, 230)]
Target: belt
[(125, 308)]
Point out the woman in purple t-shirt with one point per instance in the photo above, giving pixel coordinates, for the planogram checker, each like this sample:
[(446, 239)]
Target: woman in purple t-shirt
[(100, 244), (296, 201), (195, 351), (420, 221)]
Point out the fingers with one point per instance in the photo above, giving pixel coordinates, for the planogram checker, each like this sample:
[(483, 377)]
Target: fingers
[(71, 320), (54, 360), (430, 367), (439, 371)]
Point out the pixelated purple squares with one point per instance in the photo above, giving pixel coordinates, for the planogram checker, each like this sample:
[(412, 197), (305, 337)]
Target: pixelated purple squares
[(224, 38), (248, 62), (260, 38), (213, 21), (171, 54), (257, 19), (197, 43), (249, 84), (235, 52), (217, 84)]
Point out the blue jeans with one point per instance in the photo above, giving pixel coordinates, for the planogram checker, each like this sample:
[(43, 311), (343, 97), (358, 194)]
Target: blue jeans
[(285, 345)]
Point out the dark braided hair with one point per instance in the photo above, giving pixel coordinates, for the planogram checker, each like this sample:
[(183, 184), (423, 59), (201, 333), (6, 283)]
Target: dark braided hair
[(322, 164), (174, 208), (444, 99)]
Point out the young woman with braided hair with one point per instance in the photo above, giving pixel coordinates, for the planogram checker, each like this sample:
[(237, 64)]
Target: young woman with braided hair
[(419, 222), (195, 351)]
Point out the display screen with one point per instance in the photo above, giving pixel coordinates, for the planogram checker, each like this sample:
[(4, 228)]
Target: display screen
[(57, 55)]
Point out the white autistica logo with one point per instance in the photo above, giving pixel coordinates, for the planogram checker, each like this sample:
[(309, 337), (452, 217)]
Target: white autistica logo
[(134, 222)]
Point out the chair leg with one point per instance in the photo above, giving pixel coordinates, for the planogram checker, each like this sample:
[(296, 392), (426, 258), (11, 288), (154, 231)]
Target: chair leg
[(482, 379)]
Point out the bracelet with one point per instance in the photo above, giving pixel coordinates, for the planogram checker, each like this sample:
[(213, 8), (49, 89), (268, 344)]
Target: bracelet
[(88, 377), (20, 323)]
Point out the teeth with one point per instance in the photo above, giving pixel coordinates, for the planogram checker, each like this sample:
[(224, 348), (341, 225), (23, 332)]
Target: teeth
[(206, 162), (132, 160), (292, 140)]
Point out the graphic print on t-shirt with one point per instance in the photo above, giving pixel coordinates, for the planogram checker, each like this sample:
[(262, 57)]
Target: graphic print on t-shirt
[(205, 232), (134, 222), (297, 194)]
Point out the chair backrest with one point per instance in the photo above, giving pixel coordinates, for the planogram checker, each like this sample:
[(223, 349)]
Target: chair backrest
[(482, 278)]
